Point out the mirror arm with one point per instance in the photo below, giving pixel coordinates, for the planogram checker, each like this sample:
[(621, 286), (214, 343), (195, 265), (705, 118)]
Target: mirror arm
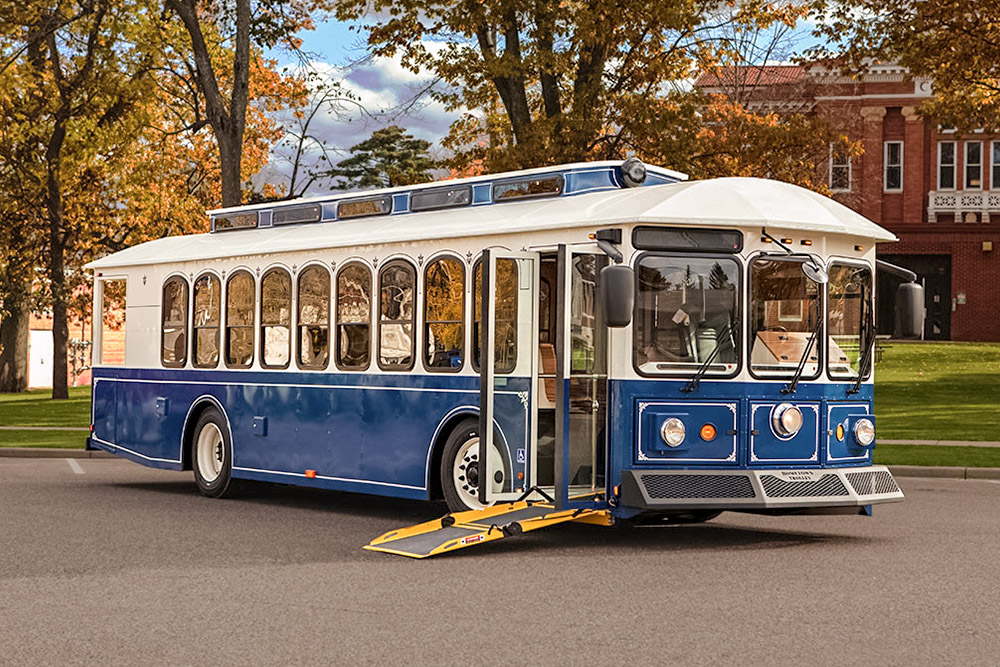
[(905, 274), (614, 253)]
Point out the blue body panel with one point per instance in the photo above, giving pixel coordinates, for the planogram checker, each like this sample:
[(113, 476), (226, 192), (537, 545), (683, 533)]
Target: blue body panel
[(374, 433), (370, 433)]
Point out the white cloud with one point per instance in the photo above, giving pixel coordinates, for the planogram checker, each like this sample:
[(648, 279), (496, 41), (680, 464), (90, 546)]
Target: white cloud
[(388, 94)]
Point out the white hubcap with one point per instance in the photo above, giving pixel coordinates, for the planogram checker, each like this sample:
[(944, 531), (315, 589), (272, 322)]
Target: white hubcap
[(211, 452), (465, 473)]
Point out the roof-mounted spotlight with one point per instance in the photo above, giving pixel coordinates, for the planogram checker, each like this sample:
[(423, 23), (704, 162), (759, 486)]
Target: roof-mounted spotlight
[(633, 172)]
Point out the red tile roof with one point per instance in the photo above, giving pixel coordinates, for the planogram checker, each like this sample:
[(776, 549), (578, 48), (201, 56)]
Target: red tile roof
[(766, 75)]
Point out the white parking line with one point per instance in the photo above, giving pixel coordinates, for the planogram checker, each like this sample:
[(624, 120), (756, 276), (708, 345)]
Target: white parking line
[(75, 466)]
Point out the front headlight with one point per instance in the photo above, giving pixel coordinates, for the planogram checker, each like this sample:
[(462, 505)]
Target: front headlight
[(672, 432), (786, 420), (864, 432)]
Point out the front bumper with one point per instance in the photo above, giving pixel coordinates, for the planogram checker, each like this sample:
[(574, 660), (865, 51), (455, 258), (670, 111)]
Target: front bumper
[(753, 490)]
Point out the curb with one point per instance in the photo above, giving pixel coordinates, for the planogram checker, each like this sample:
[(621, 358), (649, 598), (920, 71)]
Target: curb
[(945, 472), (50, 453)]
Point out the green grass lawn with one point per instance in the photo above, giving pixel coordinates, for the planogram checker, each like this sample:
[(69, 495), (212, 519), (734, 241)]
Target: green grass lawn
[(36, 408), (938, 391), (923, 391)]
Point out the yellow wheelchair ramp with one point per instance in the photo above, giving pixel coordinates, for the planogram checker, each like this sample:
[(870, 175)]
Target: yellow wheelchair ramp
[(465, 529)]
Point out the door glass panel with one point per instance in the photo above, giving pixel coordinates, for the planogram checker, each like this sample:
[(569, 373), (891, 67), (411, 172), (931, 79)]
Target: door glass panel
[(588, 375)]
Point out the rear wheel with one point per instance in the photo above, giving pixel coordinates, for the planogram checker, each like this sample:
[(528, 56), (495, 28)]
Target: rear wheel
[(460, 468), (212, 454)]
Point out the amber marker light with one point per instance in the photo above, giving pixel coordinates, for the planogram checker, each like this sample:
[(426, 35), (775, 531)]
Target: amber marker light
[(786, 241), (806, 242), (859, 248), (707, 433), (840, 432), (311, 474)]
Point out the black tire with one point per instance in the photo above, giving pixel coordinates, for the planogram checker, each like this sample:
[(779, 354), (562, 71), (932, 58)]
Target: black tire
[(212, 454), (459, 468)]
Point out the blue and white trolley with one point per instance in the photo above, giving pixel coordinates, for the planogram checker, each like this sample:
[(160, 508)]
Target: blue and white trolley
[(657, 346)]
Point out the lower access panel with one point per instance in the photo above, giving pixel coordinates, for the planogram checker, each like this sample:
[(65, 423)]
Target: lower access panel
[(709, 432)]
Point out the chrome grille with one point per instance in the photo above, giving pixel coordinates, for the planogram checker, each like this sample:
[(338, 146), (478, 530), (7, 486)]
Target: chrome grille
[(698, 486), (868, 483), (827, 485)]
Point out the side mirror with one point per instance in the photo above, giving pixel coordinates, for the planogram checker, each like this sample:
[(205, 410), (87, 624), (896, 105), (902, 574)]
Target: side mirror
[(617, 294), (909, 311)]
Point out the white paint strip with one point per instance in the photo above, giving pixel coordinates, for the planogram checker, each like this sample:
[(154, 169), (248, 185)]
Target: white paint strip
[(75, 466)]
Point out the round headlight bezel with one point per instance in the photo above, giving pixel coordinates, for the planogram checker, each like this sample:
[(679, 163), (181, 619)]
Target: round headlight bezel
[(786, 420), (864, 432), (673, 432)]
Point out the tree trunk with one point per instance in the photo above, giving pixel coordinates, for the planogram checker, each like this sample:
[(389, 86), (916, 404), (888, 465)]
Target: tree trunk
[(14, 339), (57, 258)]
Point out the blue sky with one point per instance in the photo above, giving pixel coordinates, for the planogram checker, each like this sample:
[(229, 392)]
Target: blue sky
[(381, 85)]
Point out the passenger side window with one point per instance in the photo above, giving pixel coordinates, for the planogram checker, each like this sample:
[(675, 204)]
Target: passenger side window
[(444, 314), (207, 308), (314, 318), (239, 320), (396, 295), (275, 319), (173, 329), (354, 314)]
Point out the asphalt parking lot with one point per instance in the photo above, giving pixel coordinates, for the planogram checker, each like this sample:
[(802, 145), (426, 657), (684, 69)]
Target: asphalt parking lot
[(106, 562)]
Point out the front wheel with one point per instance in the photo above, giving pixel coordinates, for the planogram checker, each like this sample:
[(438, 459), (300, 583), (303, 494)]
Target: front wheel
[(460, 468), (212, 454)]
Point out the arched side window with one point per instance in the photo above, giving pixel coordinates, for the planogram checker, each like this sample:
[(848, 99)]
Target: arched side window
[(313, 348), (207, 309), (275, 319), (504, 315), (444, 315), (239, 320), (174, 323), (354, 316), (397, 282)]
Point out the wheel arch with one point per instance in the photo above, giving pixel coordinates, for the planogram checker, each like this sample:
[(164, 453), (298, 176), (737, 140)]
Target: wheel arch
[(444, 429), (198, 406)]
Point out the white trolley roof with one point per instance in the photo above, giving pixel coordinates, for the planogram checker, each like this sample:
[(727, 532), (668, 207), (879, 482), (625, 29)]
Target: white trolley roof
[(724, 202)]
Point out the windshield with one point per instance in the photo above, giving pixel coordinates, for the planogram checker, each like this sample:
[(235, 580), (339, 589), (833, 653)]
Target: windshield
[(784, 311), (849, 304), (685, 307)]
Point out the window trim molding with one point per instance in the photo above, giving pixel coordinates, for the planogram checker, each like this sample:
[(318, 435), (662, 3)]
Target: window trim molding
[(260, 316), (886, 165), (377, 343), (297, 330), (335, 294), (225, 320), (965, 166), (218, 328), (953, 165), (187, 319), (850, 172), (424, 321)]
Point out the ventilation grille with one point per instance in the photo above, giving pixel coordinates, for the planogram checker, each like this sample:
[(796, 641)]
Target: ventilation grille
[(698, 486), (825, 486), (868, 483)]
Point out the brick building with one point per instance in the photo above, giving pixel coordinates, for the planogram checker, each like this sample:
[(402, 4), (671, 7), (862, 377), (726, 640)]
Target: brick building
[(937, 189)]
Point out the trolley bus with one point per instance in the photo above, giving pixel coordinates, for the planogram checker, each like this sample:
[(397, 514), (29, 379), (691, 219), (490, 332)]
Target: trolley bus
[(606, 335)]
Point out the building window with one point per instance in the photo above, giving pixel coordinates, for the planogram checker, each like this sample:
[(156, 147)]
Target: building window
[(207, 306), (893, 161), (354, 316), (444, 314), (396, 282), (173, 330), (275, 319), (314, 318), (995, 166), (239, 320), (973, 165), (840, 168), (946, 165)]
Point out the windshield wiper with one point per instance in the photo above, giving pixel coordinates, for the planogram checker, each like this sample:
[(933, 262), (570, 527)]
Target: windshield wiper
[(790, 388), (731, 328), (867, 335)]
